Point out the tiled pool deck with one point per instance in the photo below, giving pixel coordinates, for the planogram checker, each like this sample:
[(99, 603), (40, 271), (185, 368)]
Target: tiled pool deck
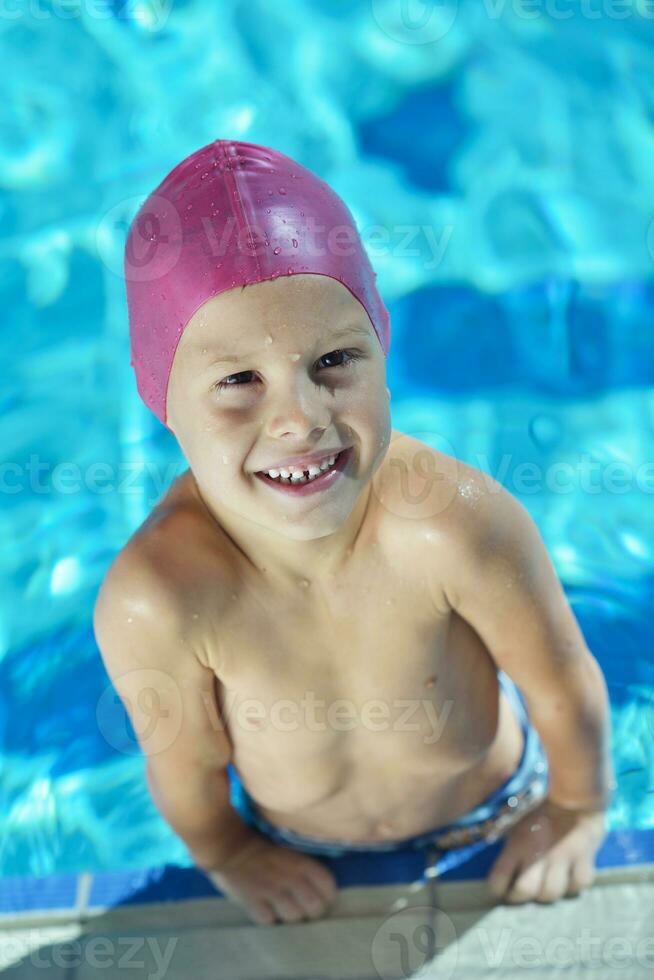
[(171, 922)]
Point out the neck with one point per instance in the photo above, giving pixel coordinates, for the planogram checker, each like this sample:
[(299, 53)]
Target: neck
[(283, 560)]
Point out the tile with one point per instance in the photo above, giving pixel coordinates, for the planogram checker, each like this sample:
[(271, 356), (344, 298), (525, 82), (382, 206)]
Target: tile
[(25, 894), (339, 949), (39, 951), (606, 930), (162, 884)]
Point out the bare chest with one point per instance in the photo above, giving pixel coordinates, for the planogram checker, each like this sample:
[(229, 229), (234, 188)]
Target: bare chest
[(357, 680)]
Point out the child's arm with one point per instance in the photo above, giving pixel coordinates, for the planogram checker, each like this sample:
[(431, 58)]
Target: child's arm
[(503, 583), (169, 696), (501, 580)]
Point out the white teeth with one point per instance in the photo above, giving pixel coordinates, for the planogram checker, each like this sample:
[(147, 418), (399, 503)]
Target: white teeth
[(289, 475)]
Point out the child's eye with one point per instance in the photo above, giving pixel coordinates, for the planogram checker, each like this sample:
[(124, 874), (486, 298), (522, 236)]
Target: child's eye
[(351, 355), (229, 383)]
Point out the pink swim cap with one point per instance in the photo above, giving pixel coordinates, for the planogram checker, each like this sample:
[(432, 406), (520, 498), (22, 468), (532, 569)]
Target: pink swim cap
[(228, 215)]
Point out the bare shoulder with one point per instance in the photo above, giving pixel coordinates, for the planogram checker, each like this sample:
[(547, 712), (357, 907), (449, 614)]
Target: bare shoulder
[(436, 491), (153, 644), (443, 510), (160, 575)]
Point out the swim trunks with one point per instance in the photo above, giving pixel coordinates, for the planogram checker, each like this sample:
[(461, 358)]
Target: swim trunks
[(456, 841)]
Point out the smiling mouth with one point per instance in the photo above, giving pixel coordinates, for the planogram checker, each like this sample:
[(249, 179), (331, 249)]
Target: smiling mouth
[(302, 478), (308, 484)]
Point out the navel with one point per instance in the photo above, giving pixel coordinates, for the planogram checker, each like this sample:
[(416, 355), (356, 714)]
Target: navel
[(384, 827)]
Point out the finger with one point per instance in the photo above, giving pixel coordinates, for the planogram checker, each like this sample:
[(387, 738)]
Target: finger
[(502, 875), (263, 913), (527, 884), (308, 898), (322, 880), (286, 907), (320, 876), (582, 875), (555, 881)]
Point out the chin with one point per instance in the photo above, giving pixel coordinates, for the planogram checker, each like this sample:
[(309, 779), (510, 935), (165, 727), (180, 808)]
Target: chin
[(315, 523)]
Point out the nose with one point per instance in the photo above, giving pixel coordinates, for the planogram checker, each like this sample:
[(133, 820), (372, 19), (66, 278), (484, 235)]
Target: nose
[(298, 410)]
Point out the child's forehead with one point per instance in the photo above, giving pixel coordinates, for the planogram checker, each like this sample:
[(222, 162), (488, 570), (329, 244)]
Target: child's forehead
[(234, 320), (285, 293), (222, 341)]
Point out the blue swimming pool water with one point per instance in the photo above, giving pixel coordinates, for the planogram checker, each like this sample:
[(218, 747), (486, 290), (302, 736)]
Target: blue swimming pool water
[(509, 159)]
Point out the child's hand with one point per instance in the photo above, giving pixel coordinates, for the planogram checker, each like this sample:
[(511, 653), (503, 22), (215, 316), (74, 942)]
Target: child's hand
[(548, 854), (275, 883)]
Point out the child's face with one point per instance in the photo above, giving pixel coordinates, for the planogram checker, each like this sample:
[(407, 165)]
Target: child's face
[(282, 396)]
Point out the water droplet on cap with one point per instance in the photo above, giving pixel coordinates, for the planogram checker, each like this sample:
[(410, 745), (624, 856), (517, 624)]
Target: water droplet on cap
[(277, 250)]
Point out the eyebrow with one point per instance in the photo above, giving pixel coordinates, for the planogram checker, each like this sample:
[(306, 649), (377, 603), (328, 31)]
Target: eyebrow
[(349, 330)]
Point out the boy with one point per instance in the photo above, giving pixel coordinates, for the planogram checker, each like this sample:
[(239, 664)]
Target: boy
[(303, 562)]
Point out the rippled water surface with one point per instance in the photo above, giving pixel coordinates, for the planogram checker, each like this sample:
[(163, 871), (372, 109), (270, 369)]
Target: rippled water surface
[(516, 152)]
